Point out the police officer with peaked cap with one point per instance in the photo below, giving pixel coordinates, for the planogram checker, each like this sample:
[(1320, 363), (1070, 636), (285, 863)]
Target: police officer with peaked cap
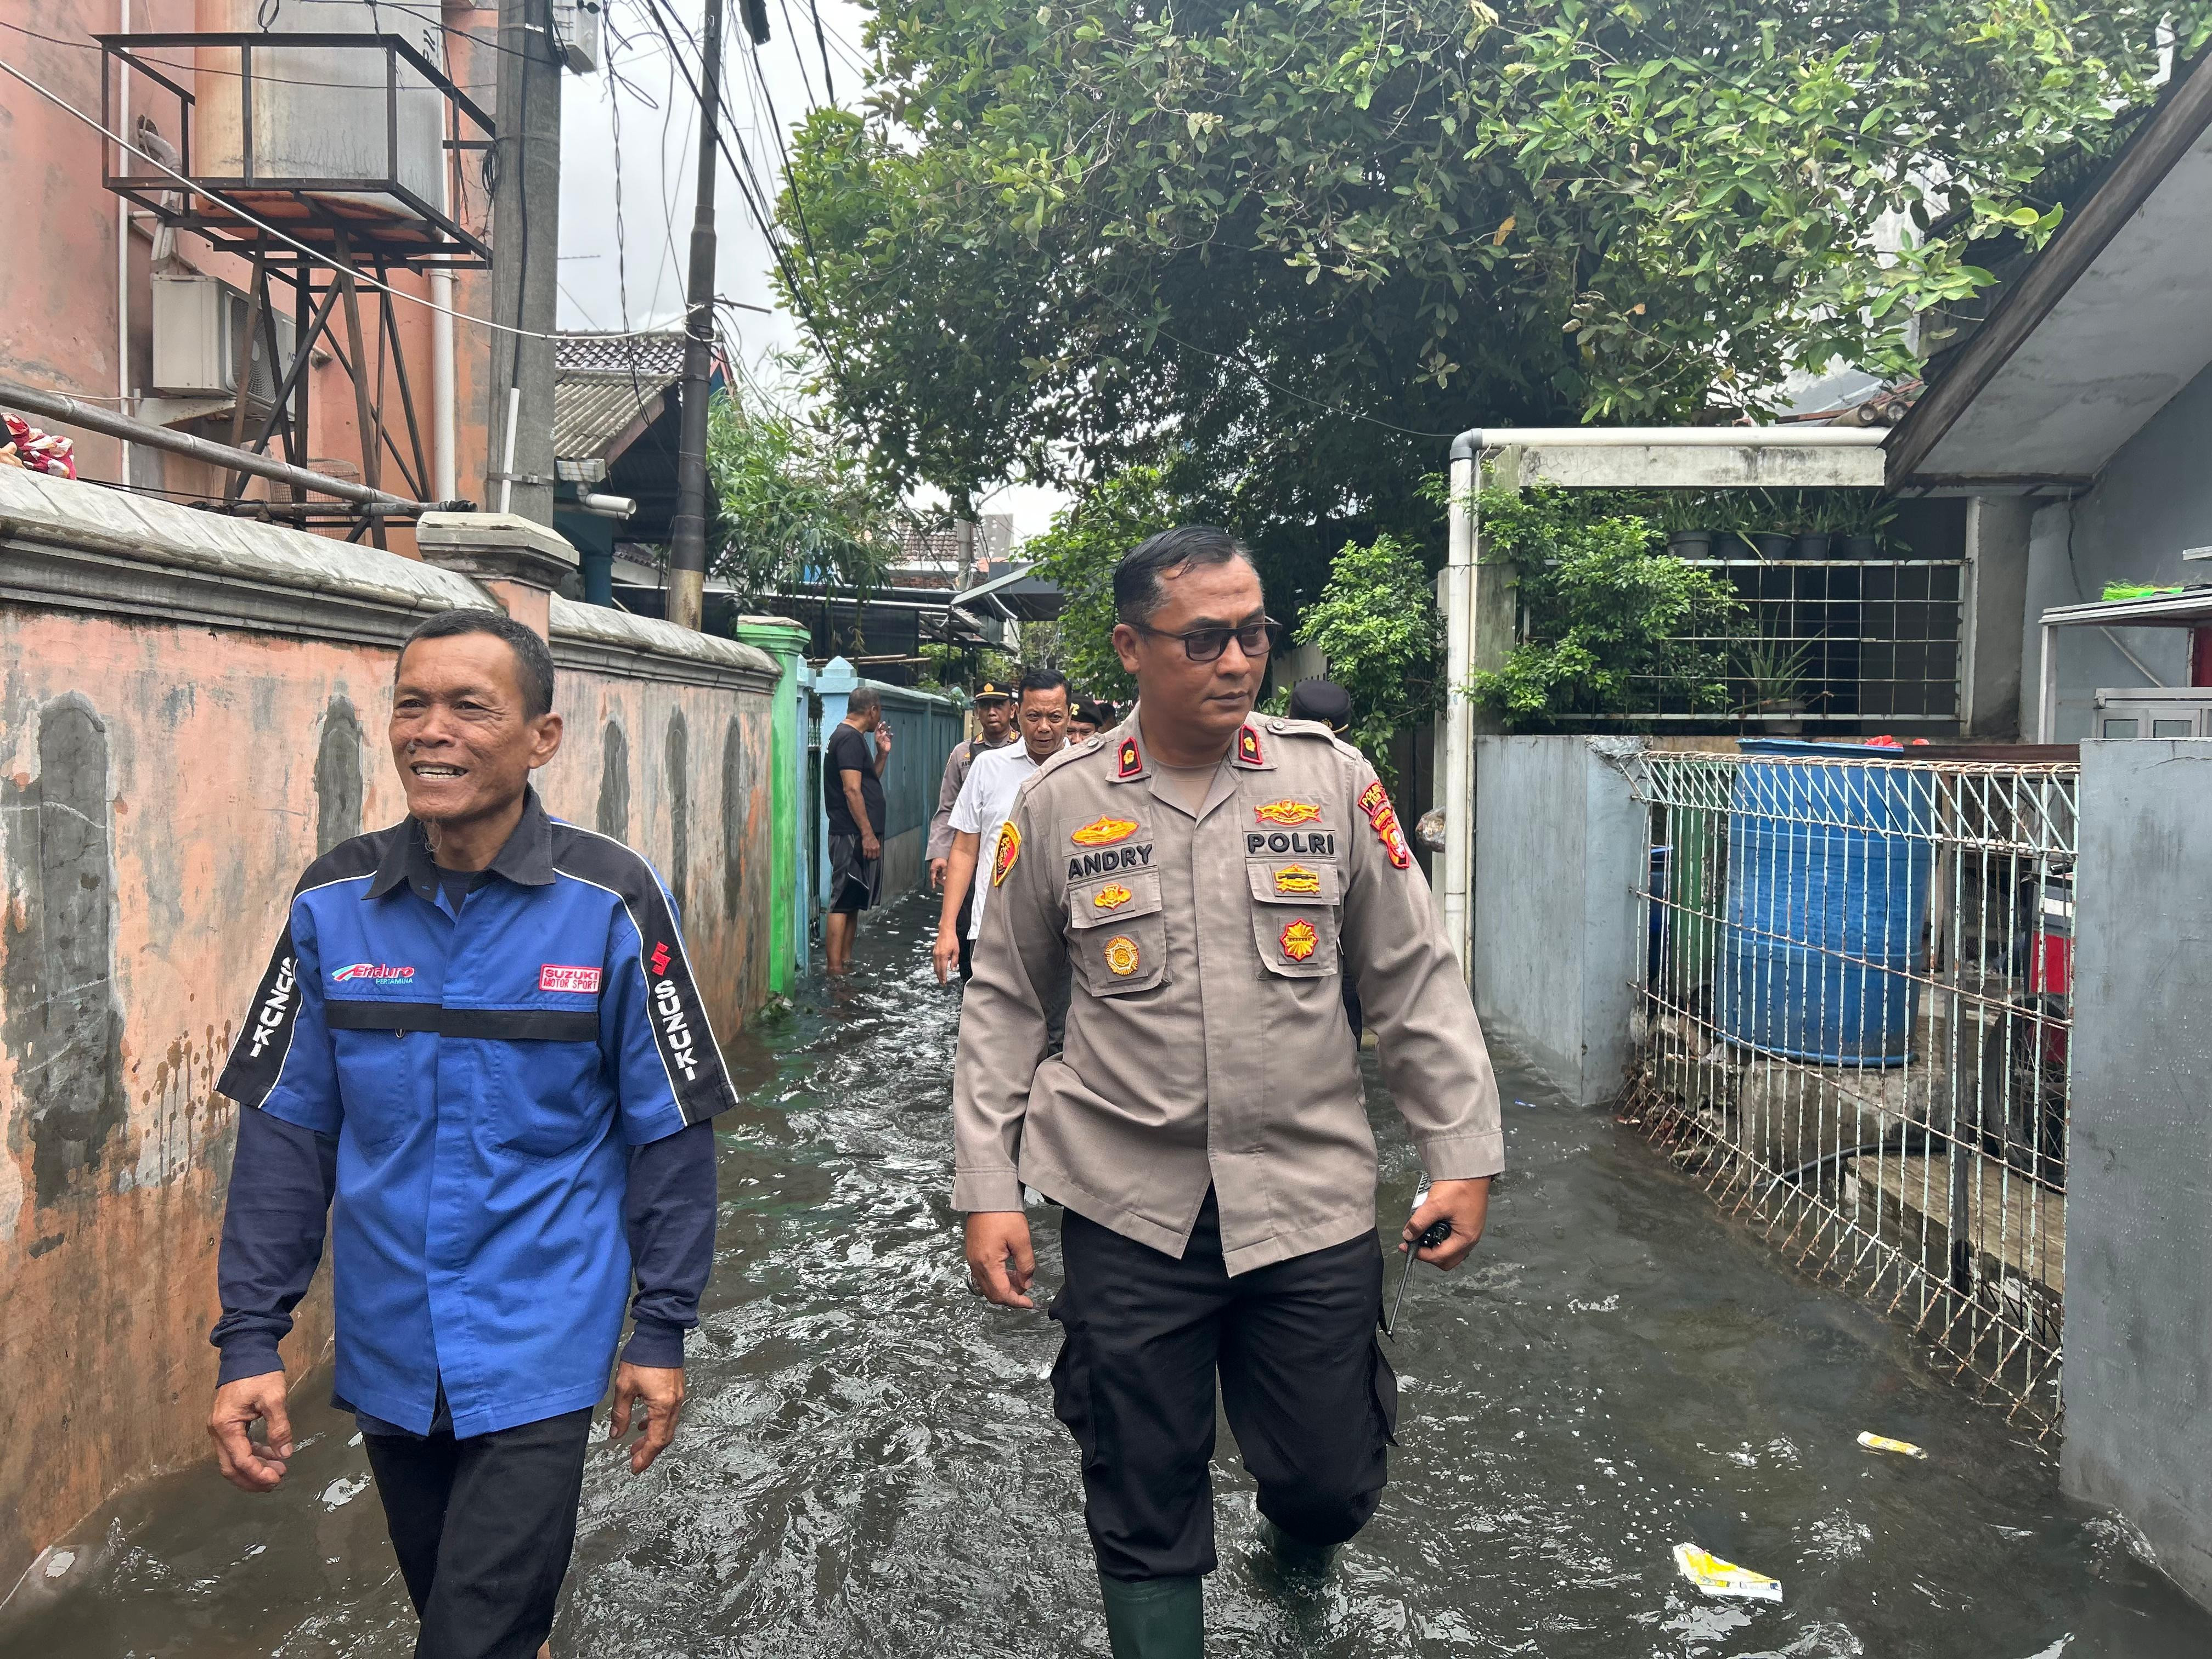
[(1203, 878)]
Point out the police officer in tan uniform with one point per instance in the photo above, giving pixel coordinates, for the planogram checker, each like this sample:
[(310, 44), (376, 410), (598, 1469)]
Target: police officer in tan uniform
[(1204, 878)]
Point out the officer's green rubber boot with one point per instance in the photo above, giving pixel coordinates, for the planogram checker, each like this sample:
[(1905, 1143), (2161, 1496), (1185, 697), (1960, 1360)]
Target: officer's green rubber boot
[(1155, 1618), (1294, 1555)]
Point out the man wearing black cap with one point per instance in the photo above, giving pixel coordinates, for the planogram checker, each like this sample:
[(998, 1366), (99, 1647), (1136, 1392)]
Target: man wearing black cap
[(994, 712)]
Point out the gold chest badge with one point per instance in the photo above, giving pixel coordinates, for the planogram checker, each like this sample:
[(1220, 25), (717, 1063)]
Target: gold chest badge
[(1287, 814), (1121, 956), (1297, 879), (1103, 832), (1299, 940), (1111, 898)]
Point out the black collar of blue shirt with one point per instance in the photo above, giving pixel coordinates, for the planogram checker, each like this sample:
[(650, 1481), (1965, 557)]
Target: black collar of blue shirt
[(527, 859)]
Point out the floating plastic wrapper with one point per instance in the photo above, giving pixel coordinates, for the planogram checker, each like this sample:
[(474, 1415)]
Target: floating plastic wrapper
[(1718, 1577)]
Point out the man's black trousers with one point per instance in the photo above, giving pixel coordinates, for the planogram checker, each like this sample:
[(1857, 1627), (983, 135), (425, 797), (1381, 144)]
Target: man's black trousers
[(1309, 1397), (483, 1528)]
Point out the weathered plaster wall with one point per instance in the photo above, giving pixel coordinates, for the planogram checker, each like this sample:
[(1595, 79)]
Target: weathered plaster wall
[(162, 784)]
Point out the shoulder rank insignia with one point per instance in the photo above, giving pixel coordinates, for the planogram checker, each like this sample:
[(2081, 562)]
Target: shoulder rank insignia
[(1300, 939), (1111, 898), (1103, 832), (1287, 813), (1121, 956), (1003, 856), (1132, 761), (1297, 879), (1247, 746), (1375, 802)]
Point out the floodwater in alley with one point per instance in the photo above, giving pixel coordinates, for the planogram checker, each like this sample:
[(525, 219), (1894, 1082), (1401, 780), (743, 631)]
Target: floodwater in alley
[(869, 1462)]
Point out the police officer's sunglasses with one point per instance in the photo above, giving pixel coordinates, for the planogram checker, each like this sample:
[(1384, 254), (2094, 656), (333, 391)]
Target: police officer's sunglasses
[(1205, 644)]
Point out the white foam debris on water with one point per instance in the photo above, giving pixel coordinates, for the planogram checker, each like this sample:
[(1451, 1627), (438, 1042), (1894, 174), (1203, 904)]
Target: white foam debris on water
[(255, 1551), (60, 1562), (343, 1490), (355, 1440), (1610, 1305), (2056, 1649)]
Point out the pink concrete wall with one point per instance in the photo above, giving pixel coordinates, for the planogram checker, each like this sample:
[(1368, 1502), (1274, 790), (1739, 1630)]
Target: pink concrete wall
[(160, 789)]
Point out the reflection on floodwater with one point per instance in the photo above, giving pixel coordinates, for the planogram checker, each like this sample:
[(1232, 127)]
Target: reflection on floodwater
[(869, 1462)]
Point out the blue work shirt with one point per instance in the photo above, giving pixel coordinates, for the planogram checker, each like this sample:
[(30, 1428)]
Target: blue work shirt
[(484, 1073)]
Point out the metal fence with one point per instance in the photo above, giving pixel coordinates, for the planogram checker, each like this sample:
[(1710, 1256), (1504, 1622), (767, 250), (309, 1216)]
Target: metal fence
[(1842, 645), (1854, 1026)]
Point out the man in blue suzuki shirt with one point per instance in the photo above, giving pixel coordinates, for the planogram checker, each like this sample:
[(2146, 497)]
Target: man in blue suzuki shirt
[(478, 1051)]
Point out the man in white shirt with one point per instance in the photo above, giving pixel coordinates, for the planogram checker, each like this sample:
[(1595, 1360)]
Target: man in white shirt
[(985, 801)]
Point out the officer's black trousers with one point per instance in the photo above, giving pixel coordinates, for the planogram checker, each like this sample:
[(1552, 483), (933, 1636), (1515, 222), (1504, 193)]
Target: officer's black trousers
[(483, 1528), (1308, 1394)]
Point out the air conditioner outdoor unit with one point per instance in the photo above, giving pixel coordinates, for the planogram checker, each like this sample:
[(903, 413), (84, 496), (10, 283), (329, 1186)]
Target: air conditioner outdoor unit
[(197, 321)]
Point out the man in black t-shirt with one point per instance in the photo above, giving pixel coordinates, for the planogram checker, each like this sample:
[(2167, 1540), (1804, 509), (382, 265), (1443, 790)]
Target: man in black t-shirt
[(852, 792)]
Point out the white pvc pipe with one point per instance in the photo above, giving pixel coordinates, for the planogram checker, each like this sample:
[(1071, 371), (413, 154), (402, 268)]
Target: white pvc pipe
[(608, 506), (506, 461), (122, 267), (444, 473), (1459, 715)]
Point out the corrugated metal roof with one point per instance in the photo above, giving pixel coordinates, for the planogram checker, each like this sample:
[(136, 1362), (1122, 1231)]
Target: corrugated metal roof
[(606, 393)]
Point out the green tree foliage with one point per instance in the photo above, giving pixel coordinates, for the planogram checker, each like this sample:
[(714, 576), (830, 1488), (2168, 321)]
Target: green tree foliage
[(1614, 620), (791, 504), (1080, 552), (1282, 248), (1376, 622)]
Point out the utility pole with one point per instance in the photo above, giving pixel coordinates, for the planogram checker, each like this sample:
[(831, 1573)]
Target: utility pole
[(525, 219), (687, 529)]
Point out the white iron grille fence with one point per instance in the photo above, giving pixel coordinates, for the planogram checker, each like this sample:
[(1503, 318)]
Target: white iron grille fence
[(1844, 645), (1854, 1031)]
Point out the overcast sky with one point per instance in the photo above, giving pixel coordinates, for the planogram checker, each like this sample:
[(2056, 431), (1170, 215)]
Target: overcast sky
[(643, 270)]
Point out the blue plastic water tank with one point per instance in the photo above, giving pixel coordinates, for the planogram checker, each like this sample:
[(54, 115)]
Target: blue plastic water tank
[(1829, 868)]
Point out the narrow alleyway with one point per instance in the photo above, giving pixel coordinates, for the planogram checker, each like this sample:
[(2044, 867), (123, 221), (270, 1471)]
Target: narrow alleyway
[(870, 1463)]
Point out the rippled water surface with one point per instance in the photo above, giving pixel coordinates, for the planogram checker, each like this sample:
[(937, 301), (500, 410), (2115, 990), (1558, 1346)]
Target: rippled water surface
[(870, 1465)]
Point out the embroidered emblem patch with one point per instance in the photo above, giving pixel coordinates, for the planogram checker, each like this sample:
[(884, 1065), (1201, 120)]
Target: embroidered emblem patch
[(1287, 813), (660, 958), (1008, 849), (1247, 746), (1132, 761), (553, 976), (1103, 832), (1297, 879), (1121, 956), (1300, 939), (1111, 898), (1375, 802)]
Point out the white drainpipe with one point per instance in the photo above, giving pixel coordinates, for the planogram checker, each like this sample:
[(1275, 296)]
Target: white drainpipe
[(444, 476), (123, 270)]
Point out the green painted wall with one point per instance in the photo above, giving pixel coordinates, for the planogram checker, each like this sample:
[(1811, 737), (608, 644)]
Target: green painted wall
[(785, 641)]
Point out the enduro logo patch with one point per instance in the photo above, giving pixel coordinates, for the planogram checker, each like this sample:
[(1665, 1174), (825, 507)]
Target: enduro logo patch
[(1111, 898), (1299, 940), (1288, 814), (1375, 802), (1103, 832), (1297, 879), (555, 977), (1121, 956), (1132, 761), (1003, 856), (379, 973), (1247, 746)]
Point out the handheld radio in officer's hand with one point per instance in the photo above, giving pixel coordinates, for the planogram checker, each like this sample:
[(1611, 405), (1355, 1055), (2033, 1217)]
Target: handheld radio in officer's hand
[(1434, 1235)]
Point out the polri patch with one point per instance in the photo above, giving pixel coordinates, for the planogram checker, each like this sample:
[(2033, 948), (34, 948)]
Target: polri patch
[(1289, 814), (1299, 940), (1375, 802), (1132, 761), (1111, 898), (1122, 956), (1247, 746), (1297, 879), (1003, 856), (1103, 832)]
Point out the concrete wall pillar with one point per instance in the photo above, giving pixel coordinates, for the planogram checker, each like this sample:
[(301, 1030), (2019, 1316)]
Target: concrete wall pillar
[(1993, 612), (2137, 1375), (520, 564), (1561, 846)]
